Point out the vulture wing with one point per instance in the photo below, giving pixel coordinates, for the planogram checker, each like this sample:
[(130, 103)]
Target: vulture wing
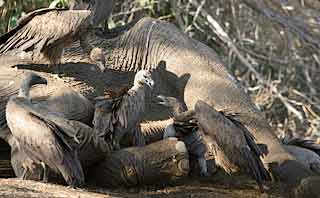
[(59, 153), (236, 142), (23, 21), (64, 132), (46, 138), (45, 28)]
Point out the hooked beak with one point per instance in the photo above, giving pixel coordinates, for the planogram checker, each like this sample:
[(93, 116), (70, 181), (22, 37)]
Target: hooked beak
[(162, 100), (150, 83)]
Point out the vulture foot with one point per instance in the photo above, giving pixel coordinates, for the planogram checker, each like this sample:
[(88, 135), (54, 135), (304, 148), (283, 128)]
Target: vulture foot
[(45, 177), (24, 174)]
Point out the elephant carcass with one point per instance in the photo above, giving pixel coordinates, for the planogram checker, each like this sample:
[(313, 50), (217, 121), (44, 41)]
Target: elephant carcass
[(161, 162)]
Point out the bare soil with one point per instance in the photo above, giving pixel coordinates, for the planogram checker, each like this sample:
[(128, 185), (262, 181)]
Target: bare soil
[(236, 187)]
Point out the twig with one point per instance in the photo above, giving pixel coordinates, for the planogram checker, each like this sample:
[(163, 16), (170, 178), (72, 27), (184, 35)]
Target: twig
[(218, 30), (290, 23)]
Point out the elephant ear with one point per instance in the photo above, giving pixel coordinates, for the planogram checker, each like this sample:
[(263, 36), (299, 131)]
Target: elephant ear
[(183, 80)]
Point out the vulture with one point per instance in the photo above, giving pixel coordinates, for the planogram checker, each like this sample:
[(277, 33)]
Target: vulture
[(235, 147), (185, 128), (44, 33), (306, 151), (119, 114), (40, 136)]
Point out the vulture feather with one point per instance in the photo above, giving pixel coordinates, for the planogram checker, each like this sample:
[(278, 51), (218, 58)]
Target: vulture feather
[(235, 148), (119, 114), (185, 127), (42, 136), (46, 32)]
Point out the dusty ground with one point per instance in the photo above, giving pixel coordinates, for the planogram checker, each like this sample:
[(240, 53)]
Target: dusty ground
[(204, 188)]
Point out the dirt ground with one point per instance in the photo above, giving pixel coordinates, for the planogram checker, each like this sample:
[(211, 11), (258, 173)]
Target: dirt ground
[(192, 188)]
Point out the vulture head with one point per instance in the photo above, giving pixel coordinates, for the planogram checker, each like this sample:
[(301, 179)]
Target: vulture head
[(97, 56), (143, 77), (172, 103), (28, 81), (167, 101)]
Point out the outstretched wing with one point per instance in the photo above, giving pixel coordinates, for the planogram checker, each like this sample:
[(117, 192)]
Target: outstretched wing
[(45, 28)]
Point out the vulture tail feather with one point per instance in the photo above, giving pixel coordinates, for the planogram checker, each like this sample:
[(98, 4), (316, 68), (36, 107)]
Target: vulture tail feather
[(256, 167), (72, 170), (249, 137)]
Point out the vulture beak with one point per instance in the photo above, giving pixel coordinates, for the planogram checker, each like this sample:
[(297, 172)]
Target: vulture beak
[(162, 100), (150, 83)]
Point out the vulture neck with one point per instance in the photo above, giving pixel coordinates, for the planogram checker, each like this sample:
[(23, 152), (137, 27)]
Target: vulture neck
[(138, 87), (177, 108), (24, 90)]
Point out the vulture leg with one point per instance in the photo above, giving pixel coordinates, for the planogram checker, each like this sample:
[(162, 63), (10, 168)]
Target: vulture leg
[(116, 140), (24, 174), (203, 166), (45, 177)]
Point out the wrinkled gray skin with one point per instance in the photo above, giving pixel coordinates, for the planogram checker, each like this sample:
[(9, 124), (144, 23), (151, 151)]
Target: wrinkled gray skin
[(188, 70)]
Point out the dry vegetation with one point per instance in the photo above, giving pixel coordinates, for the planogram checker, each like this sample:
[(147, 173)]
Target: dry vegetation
[(238, 188)]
